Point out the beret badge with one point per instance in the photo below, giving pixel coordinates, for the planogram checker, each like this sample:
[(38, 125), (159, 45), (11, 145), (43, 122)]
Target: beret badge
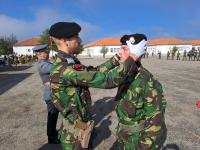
[(132, 40)]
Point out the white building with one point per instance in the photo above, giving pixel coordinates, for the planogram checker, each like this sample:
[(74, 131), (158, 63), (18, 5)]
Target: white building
[(167, 44), (25, 47), (162, 44), (94, 49)]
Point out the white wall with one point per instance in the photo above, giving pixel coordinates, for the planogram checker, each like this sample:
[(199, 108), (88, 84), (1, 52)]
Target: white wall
[(165, 48), (197, 47), (24, 50), (96, 51)]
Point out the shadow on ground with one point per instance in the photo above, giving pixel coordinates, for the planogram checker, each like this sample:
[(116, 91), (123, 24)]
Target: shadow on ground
[(10, 80), (170, 147), (101, 109), (51, 147), (10, 68)]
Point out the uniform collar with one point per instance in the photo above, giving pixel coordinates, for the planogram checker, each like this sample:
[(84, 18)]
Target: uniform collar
[(69, 58)]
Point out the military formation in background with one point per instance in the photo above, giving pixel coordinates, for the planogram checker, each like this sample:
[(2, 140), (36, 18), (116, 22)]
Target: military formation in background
[(192, 55), (14, 60)]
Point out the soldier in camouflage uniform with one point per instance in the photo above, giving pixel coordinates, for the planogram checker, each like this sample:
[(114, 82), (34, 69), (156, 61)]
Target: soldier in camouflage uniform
[(168, 55), (140, 109), (184, 55), (178, 55), (70, 81), (198, 58)]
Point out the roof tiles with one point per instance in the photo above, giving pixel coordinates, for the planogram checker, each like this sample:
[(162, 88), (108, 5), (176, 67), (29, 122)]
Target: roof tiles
[(29, 42), (160, 41)]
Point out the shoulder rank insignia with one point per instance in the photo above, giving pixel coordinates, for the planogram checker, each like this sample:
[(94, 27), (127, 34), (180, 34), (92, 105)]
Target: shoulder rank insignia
[(78, 67)]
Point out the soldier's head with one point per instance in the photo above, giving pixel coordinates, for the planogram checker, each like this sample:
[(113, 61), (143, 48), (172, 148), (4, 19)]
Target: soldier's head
[(41, 52), (133, 39), (66, 36)]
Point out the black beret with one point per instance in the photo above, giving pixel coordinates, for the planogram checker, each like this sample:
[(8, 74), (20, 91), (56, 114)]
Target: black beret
[(64, 29), (40, 48), (136, 38)]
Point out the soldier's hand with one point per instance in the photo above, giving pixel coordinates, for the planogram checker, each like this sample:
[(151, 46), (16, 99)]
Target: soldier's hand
[(124, 53), (139, 49)]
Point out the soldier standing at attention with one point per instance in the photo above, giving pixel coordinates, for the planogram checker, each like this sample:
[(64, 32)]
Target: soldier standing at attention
[(198, 59), (147, 54), (140, 107), (159, 55), (168, 55), (44, 66), (178, 56), (184, 55), (70, 81)]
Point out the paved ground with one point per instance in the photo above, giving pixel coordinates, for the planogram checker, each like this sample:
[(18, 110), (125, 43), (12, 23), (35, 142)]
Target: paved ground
[(23, 114)]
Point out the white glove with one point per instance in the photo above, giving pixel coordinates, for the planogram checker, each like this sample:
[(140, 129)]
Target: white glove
[(138, 49)]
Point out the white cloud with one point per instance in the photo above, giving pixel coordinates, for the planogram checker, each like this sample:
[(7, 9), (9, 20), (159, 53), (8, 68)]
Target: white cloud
[(44, 18)]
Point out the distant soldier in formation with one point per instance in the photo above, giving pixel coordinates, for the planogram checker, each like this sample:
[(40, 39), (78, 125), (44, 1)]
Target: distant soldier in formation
[(195, 55), (190, 53), (198, 58), (147, 54), (15, 60), (152, 54), (184, 55), (10, 60), (173, 55), (159, 55), (144, 55), (178, 56), (168, 55), (5, 60)]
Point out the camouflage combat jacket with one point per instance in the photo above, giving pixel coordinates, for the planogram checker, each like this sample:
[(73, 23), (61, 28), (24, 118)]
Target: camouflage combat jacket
[(140, 99), (69, 80)]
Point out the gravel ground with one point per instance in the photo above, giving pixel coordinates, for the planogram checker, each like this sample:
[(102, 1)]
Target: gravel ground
[(23, 113)]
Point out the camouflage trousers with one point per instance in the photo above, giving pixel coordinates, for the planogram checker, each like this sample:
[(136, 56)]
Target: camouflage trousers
[(151, 138), (68, 136)]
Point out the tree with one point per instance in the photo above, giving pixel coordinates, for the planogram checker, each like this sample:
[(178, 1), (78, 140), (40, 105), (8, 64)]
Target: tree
[(104, 50), (6, 44), (3, 46), (44, 39), (11, 40)]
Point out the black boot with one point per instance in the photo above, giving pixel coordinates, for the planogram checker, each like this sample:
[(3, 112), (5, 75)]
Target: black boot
[(53, 140), (51, 124)]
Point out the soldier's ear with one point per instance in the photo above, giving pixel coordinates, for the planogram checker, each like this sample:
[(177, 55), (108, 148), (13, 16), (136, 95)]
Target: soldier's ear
[(65, 41)]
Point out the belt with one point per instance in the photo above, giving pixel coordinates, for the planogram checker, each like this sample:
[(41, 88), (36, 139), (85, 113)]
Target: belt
[(142, 125), (133, 128)]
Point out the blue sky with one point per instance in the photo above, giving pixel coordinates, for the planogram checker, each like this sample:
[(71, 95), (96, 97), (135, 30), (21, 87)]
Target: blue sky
[(103, 18)]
